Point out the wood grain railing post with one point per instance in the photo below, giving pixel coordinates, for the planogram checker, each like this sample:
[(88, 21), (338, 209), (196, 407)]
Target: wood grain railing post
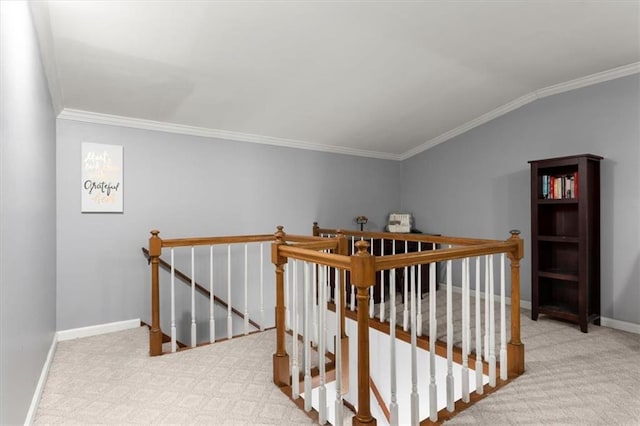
[(281, 373), (515, 348), (343, 249), (316, 229), (363, 276), (155, 335)]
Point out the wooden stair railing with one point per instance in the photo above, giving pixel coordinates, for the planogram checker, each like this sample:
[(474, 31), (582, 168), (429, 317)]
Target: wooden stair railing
[(363, 266), (201, 289)]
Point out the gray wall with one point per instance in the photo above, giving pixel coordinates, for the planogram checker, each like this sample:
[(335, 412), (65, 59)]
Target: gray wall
[(27, 213), (478, 183), (193, 186)]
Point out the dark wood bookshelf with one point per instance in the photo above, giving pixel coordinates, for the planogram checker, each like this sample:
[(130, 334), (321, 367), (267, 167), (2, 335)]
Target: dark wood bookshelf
[(565, 239)]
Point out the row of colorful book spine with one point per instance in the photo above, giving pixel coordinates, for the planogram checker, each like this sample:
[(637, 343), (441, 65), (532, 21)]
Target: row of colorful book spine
[(559, 187)]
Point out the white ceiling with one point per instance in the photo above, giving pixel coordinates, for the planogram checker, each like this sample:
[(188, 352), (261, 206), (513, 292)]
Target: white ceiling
[(385, 79)]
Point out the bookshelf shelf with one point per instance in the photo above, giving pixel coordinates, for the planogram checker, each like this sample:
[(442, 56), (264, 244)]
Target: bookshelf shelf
[(565, 238)]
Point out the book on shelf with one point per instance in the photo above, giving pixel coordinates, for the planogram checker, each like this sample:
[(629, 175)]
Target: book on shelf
[(559, 187)]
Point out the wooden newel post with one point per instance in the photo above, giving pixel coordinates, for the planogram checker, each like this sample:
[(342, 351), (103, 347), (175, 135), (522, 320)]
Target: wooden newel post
[(281, 373), (316, 229), (363, 276), (155, 335), (515, 348)]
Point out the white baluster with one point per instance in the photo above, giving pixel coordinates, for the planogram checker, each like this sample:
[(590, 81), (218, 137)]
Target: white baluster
[(415, 418), (503, 322), (212, 318), (307, 337), (295, 371), (314, 305), (322, 336), (338, 350), (433, 327), (246, 289), (173, 304), (229, 318), (486, 307), (287, 288), (450, 400), (492, 327), (382, 284), (465, 330), (372, 306), (405, 300), (352, 304), (479, 384), (393, 407), (193, 299), (261, 286), (419, 314)]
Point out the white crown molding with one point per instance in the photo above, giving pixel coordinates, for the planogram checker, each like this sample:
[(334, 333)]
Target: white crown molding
[(137, 123), (578, 83)]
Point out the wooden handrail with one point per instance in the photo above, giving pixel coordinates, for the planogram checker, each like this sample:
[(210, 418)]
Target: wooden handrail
[(425, 238), (329, 259), (421, 257), (201, 289)]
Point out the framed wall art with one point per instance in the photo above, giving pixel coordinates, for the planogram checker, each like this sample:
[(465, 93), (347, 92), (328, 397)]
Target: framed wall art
[(102, 183)]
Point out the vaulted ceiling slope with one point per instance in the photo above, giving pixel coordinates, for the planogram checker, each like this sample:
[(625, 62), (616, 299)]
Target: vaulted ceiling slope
[(384, 79)]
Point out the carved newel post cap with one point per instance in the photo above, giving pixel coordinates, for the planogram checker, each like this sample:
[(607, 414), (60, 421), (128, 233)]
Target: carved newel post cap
[(155, 233), (514, 232), (279, 233), (363, 248)]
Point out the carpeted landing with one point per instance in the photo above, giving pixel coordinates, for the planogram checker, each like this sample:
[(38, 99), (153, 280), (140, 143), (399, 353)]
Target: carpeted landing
[(571, 378)]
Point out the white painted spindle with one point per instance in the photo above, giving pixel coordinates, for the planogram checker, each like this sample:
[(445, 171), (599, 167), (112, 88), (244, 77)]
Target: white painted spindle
[(212, 318), (433, 389), (307, 337), (479, 369), (450, 393), (287, 288), (382, 284), (261, 286), (322, 336), (352, 304), (393, 406), (372, 306), (486, 307), (405, 299), (295, 371), (415, 418), (492, 327), (246, 289), (419, 314), (503, 322), (338, 350), (314, 305), (193, 299), (465, 330), (173, 304), (229, 318)]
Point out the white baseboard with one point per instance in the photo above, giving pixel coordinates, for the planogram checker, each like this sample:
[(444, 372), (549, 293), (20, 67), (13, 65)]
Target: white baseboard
[(620, 325), (33, 408), (524, 304), (94, 330), (604, 321)]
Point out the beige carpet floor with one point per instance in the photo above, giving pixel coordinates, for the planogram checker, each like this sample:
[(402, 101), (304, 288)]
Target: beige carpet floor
[(572, 378)]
